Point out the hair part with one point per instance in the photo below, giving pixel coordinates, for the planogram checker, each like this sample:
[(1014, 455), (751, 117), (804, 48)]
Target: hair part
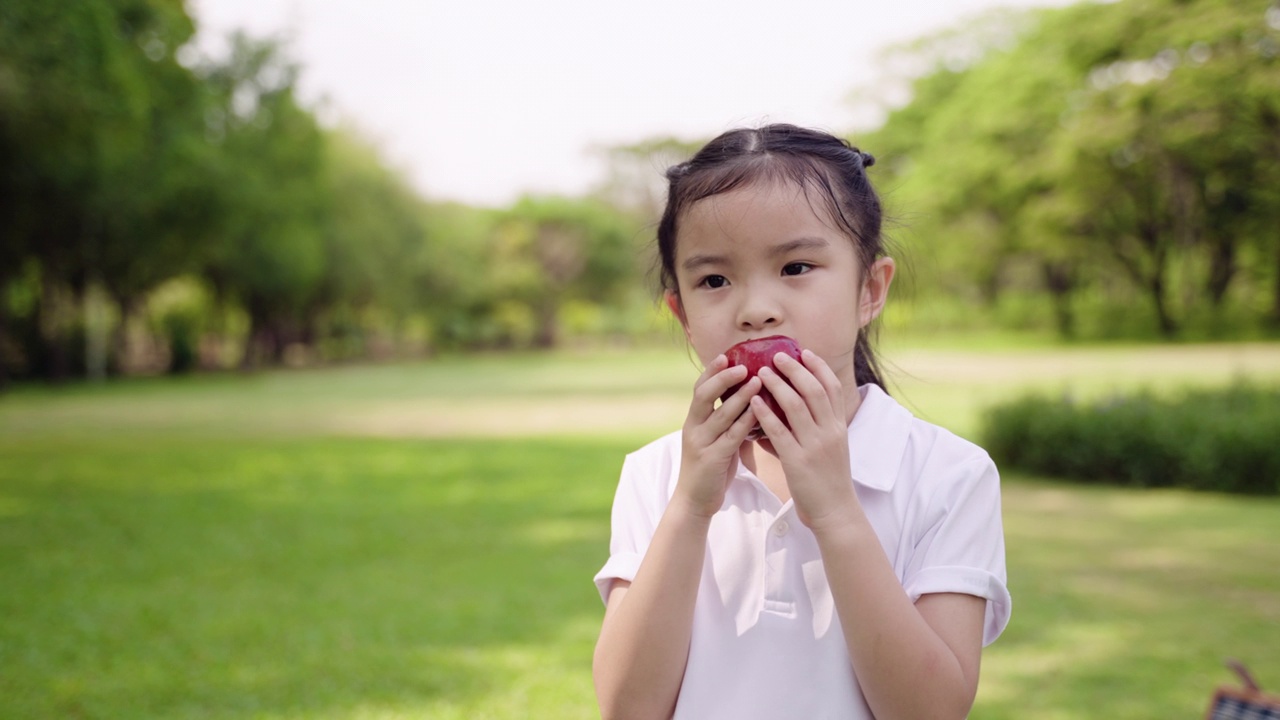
[(817, 162)]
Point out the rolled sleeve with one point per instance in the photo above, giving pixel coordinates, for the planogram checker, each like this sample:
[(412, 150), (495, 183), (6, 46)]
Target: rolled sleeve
[(638, 505), (969, 581), (619, 566), (963, 550)]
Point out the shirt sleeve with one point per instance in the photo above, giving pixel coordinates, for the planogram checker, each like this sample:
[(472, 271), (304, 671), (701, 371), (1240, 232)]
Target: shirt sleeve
[(638, 505), (962, 548)]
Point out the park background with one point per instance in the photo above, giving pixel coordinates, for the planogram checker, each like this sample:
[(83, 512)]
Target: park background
[(283, 436)]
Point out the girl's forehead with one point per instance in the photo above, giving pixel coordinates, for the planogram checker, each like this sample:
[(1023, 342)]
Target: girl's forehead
[(771, 208), (774, 189)]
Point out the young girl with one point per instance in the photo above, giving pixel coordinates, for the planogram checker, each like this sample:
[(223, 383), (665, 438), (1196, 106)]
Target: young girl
[(851, 563)]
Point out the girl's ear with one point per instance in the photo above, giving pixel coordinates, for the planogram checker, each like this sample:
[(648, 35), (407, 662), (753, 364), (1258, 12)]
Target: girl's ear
[(875, 290), (673, 303)]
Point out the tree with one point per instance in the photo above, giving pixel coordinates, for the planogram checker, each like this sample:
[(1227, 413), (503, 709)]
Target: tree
[(374, 235), (1178, 134), (1129, 140), (93, 105), (553, 249), (270, 256), (966, 157), (635, 180)]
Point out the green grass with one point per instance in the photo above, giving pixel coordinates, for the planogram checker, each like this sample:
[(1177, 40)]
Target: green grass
[(1126, 602), (418, 541), (300, 578)]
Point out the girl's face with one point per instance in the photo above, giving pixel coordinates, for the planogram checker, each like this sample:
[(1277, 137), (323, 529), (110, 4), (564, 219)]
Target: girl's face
[(763, 260)]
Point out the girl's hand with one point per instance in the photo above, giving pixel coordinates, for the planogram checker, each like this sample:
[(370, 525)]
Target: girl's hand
[(713, 436), (815, 449)]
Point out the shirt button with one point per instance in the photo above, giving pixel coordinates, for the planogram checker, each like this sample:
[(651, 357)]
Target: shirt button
[(781, 528)]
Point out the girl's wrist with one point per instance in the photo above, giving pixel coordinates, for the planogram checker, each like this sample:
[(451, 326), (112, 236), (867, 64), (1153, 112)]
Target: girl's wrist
[(843, 524), (692, 510)]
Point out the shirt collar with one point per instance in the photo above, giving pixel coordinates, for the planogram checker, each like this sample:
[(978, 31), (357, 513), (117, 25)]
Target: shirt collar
[(877, 439)]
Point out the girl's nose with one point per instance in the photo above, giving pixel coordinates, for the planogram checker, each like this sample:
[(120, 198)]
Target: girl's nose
[(758, 312)]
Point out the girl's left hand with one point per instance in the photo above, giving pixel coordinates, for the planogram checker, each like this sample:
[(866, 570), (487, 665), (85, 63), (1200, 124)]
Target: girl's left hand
[(814, 451)]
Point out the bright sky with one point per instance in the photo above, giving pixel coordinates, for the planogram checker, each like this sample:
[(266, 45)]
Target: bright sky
[(482, 100)]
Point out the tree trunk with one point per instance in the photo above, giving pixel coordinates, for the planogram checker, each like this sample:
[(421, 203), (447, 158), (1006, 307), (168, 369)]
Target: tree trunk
[(255, 339), (95, 330), (547, 335), (277, 339), (1275, 299), (1059, 278), (130, 306), (4, 333), (56, 360), (1154, 240), (1168, 326), (1222, 268)]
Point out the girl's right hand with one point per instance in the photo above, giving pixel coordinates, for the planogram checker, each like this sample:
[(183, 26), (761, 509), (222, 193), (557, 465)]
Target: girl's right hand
[(713, 436)]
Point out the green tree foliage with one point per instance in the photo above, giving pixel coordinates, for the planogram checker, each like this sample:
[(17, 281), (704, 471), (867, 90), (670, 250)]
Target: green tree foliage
[(453, 283), (634, 173), (523, 264), (375, 247), (201, 198), (270, 256), (96, 121), (1122, 152)]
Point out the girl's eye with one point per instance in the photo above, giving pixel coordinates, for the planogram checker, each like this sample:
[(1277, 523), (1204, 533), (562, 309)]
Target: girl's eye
[(796, 268), (714, 281)]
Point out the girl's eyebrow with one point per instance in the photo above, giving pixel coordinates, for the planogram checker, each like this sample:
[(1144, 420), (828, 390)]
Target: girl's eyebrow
[(696, 261), (802, 243)]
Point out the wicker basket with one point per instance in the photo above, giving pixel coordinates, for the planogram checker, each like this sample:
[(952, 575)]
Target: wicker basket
[(1243, 703)]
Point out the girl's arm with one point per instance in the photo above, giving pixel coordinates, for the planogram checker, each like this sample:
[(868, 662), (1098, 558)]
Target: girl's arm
[(912, 661), (643, 647), (644, 642)]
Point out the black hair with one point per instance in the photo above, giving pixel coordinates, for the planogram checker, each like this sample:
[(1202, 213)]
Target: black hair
[(811, 159)]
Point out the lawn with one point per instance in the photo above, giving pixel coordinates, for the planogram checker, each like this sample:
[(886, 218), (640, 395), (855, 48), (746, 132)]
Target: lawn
[(417, 541), (300, 578)]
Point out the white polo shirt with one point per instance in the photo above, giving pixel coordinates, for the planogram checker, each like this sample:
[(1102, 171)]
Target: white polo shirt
[(766, 640)]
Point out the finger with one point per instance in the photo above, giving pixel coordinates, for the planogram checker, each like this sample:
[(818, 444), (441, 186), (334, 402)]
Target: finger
[(780, 438), (805, 383), (718, 363), (719, 377), (825, 375), (713, 383), (733, 407), (737, 433), (800, 377), (795, 407)]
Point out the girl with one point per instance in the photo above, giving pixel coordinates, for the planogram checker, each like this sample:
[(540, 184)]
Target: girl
[(851, 563)]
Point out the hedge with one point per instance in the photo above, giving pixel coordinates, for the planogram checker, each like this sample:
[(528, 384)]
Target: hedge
[(1225, 440)]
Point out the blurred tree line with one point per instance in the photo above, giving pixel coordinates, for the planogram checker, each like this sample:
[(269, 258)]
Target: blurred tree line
[(1101, 170), (1110, 168), (155, 203)]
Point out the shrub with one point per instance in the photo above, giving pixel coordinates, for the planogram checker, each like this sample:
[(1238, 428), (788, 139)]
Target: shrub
[(1225, 440)]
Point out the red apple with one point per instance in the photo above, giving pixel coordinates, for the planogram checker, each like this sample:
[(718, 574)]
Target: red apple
[(756, 354)]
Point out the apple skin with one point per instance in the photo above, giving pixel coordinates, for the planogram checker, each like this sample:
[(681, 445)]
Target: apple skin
[(754, 355)]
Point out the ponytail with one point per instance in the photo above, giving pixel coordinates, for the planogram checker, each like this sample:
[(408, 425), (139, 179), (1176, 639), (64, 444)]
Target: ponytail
[(866, 368)]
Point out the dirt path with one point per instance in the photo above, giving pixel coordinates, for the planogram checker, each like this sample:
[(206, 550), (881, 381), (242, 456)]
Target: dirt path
[(945, 386)]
